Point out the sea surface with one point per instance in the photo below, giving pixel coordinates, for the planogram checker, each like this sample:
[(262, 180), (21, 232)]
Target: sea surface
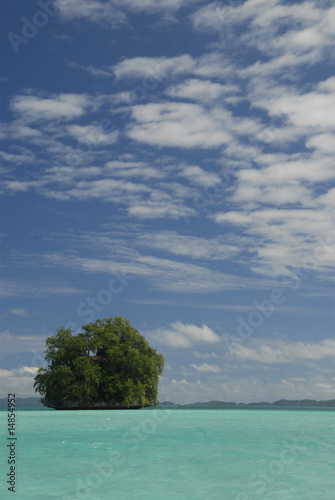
[(171, 454)]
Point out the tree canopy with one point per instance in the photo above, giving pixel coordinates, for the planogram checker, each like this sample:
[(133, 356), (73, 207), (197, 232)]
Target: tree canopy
[(108, 365)]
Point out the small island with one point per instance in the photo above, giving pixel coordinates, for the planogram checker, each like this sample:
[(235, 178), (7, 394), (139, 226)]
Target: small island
[(107, 366)]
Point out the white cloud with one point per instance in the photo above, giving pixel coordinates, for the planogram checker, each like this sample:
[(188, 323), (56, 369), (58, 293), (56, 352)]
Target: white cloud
[(17, 130), (183, 335), (178, 276), (328, 199), (20, 186), (312, 111), (205, 367), (91, 69), (154, 71), (279, 205), (158, 5), (155, 68), (92, 135), (325, 143), (158, 209), (19, 381), (94, 11), (107, 189), (288, 172), (59, 107), (121, 253), (24, 157), (190, 246), (283, 352), (237, 385), (200, 90), (248, 388), (19, 312), (292, 239), (179, 382), (134, 169), (289, 33), (178, 125), (196, 175), (129, 184)]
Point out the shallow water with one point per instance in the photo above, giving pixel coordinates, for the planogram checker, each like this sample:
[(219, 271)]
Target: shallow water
[(239, 454)]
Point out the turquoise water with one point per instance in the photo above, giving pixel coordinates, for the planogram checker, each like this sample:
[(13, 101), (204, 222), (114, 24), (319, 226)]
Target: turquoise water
[(159, 454)]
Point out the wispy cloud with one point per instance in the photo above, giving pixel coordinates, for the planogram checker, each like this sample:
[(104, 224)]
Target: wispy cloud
[(12, 288), (13, 344), (205, 367), (19, 312), (97, 72), (284, 352), (113, 14), (160, 273), (205, 355), (189, 246), (94, 11)]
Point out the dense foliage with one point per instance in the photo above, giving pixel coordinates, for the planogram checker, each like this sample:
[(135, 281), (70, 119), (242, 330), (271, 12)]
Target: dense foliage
[(110, 363)]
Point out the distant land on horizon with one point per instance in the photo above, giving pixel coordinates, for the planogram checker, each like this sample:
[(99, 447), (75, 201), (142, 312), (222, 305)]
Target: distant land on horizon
[(35, 401), (32, 401), (281, 402)]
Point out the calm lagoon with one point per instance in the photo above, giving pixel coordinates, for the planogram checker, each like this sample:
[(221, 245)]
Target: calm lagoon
[(177, 454)]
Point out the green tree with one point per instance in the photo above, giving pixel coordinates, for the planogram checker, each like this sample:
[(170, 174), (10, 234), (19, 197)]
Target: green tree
[(108, 364)]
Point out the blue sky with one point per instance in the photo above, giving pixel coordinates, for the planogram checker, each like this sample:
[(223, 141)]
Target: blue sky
[(172, 162)]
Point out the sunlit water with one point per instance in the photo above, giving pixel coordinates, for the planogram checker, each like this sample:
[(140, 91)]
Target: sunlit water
[(161, 454)]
